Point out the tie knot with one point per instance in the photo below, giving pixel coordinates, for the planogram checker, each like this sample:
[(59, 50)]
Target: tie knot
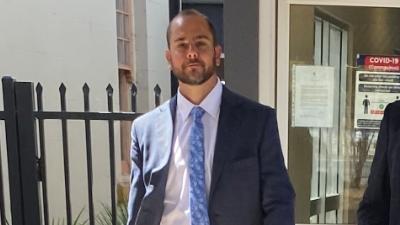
[(197, 113)]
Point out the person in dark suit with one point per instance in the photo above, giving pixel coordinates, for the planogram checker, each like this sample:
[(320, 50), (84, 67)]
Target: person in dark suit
[(381, 202), (207, 156)]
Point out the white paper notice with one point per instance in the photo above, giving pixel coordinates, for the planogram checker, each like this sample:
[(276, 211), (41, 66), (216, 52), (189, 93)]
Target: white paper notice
[(312, 96)]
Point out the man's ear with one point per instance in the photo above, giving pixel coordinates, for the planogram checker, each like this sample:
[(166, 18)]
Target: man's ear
[(168, 57), (217, 55)]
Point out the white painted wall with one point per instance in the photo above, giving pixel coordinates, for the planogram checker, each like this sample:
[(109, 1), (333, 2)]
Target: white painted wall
[(70, 41), (151, 22)]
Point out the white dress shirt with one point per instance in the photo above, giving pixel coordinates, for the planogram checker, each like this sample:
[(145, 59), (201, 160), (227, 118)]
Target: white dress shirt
[(176, 202)]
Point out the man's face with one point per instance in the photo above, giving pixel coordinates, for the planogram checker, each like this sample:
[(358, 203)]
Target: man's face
[(192, 55)]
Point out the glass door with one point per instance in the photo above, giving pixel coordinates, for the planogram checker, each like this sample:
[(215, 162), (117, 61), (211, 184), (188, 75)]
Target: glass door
[(330, 49), (329, 154)]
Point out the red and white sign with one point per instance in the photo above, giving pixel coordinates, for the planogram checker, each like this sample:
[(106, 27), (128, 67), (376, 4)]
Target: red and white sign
[(379, 62)]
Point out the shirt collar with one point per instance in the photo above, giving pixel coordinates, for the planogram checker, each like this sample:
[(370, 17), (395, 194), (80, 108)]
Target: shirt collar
[(211, 103)]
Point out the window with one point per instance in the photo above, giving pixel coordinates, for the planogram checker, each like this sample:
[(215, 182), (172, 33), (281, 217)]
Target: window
[(124, 34)]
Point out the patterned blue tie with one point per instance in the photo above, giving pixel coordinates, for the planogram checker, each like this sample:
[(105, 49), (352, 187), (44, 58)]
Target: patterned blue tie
[(197, 189)]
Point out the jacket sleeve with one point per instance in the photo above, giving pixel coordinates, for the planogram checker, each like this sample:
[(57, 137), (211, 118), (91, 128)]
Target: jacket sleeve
[(137, 189), (374, 207), (277, 191)]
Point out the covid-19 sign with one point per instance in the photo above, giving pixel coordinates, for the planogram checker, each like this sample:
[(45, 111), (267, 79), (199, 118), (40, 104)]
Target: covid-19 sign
[(373, 92)]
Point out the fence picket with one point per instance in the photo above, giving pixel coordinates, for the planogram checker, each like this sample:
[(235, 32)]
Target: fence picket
[(64, 131), (42, 160), (27, 167)]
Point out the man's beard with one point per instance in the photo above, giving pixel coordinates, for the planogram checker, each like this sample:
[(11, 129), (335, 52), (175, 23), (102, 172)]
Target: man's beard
[(195, 76)]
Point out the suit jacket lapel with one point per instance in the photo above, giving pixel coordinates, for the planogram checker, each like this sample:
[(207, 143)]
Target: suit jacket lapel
[(164, 136), (228, 126), (152, 207)]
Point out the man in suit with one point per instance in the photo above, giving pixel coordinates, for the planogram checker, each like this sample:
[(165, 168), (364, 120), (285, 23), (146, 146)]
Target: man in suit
[(381, 202), (207, 156)]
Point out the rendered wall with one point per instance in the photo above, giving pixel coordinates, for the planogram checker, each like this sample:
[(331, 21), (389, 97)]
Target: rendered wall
[(68, 41), (151, 21)]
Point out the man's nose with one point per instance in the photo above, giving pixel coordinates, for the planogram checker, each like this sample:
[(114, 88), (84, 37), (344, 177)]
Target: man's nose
[(192, 53)]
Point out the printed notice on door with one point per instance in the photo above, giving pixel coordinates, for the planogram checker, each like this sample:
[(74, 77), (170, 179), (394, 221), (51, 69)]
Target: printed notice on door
[(374, 90), (312, 96)]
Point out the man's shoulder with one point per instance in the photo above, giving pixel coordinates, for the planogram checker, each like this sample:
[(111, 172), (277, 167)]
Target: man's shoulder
[(247, 103), (392, 110), (152, 115), (392, 116), (395, 105)]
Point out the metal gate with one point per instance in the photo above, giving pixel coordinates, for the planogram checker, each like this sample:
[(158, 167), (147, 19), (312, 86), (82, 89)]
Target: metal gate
[(26, 153)]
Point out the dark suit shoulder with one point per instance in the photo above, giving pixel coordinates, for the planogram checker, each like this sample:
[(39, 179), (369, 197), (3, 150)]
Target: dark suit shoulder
[(246, 103), (392, 115), (394, 107)]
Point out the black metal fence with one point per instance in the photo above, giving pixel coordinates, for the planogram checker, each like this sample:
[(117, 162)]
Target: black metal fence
[(26, 150)]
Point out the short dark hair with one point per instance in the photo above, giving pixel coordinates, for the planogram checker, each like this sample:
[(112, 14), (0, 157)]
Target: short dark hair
[(193, 12)]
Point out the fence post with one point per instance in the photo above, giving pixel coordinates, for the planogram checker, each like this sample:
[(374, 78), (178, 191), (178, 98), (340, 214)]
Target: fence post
[(28, 152), (12, 151)]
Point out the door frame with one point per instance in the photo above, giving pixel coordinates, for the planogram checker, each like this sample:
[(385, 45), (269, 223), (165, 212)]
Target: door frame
[(280, 84)]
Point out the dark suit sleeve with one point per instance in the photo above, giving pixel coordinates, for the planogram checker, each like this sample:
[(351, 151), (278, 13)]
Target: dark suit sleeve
[(137, 187), (374, 207), (277, 192)]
